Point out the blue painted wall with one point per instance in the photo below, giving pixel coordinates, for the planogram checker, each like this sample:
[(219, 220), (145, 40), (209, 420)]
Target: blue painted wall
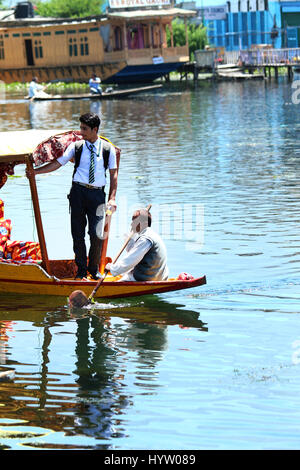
[(243, 29)]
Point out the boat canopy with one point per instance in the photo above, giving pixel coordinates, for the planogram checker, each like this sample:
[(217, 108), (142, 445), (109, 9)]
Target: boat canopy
[(41, 146), (15, 145)]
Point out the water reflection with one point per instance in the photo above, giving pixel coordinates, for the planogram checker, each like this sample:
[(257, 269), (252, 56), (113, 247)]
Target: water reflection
[(40, 111), (100, 392), (232, 147), (77, 382)]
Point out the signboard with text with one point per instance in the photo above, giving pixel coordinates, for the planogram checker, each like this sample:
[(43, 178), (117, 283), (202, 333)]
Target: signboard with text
[(213, 13), (137, 3)]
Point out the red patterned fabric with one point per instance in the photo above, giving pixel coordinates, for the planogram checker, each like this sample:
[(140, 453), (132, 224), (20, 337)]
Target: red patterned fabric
[(185, 277), (48, 150), (5, 229), (53, 148), (19, 251)]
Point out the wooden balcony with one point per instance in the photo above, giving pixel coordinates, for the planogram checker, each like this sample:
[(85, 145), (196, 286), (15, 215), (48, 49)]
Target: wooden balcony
[(145, 56)]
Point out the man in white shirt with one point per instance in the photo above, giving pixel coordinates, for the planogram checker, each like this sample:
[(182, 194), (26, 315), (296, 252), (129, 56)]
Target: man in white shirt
[(146, 258), (34, 87), (95, 86), (87, 194)]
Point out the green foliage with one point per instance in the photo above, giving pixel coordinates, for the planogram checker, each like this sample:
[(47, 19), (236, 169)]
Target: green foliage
[(178, 33), (197, 36), (69, 9)]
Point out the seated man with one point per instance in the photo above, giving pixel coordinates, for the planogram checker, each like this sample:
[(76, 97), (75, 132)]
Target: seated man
[(146, 259), (95, 86), (34, 87)]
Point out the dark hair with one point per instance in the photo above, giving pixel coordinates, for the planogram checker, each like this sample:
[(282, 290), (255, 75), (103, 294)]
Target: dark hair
[(142, 218), (90, 119)]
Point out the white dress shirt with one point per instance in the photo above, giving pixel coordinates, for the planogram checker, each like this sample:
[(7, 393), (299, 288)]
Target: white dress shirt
[(82, 172), (136, 251)]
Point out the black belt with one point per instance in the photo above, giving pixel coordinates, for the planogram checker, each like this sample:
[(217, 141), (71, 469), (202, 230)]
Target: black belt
[(89, 186)]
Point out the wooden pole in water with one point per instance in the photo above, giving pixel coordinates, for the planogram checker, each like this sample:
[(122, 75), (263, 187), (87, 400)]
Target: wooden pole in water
[(37, 214)]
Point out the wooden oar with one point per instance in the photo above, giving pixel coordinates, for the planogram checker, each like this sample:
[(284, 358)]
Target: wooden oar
[(91, 296), (78, 298)]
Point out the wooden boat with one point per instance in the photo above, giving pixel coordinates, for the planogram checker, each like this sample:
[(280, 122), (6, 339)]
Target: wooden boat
[(115, 94), (56, 277)]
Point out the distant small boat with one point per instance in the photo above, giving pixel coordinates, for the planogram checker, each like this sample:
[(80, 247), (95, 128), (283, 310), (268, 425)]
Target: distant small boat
[(104, 96)]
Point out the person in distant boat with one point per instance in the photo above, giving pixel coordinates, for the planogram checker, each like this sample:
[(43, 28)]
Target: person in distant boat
[(146, 258), (34, 88), (95, 85), (87, 197)]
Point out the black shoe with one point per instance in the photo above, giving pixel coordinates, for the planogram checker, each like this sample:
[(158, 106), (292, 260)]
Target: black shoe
[(79, 276), (96, 276)]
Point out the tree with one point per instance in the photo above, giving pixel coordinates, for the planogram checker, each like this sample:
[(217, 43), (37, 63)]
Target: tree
[(69, 9), (196, 36)]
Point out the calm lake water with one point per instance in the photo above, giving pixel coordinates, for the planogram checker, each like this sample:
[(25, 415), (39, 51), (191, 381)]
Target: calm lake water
[(215, 367)]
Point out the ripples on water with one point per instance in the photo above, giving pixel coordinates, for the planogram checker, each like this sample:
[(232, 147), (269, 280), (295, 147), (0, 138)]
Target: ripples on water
[(213, 367)]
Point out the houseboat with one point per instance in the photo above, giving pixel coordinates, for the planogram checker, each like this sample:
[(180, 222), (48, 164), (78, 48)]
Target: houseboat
[(121, 46)]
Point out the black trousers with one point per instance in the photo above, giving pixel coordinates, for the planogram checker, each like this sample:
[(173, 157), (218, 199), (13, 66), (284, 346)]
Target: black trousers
[(85, 205)]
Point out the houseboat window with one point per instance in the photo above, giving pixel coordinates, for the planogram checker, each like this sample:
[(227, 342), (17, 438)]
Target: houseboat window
[(84, 46), (38, 49), (73, 49), (1, 47)]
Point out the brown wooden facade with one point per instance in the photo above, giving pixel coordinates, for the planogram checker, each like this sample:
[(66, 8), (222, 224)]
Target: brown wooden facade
[(73, 50)]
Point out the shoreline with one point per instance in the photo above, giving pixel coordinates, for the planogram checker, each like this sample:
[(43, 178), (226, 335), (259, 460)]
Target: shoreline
[(61, 87)]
